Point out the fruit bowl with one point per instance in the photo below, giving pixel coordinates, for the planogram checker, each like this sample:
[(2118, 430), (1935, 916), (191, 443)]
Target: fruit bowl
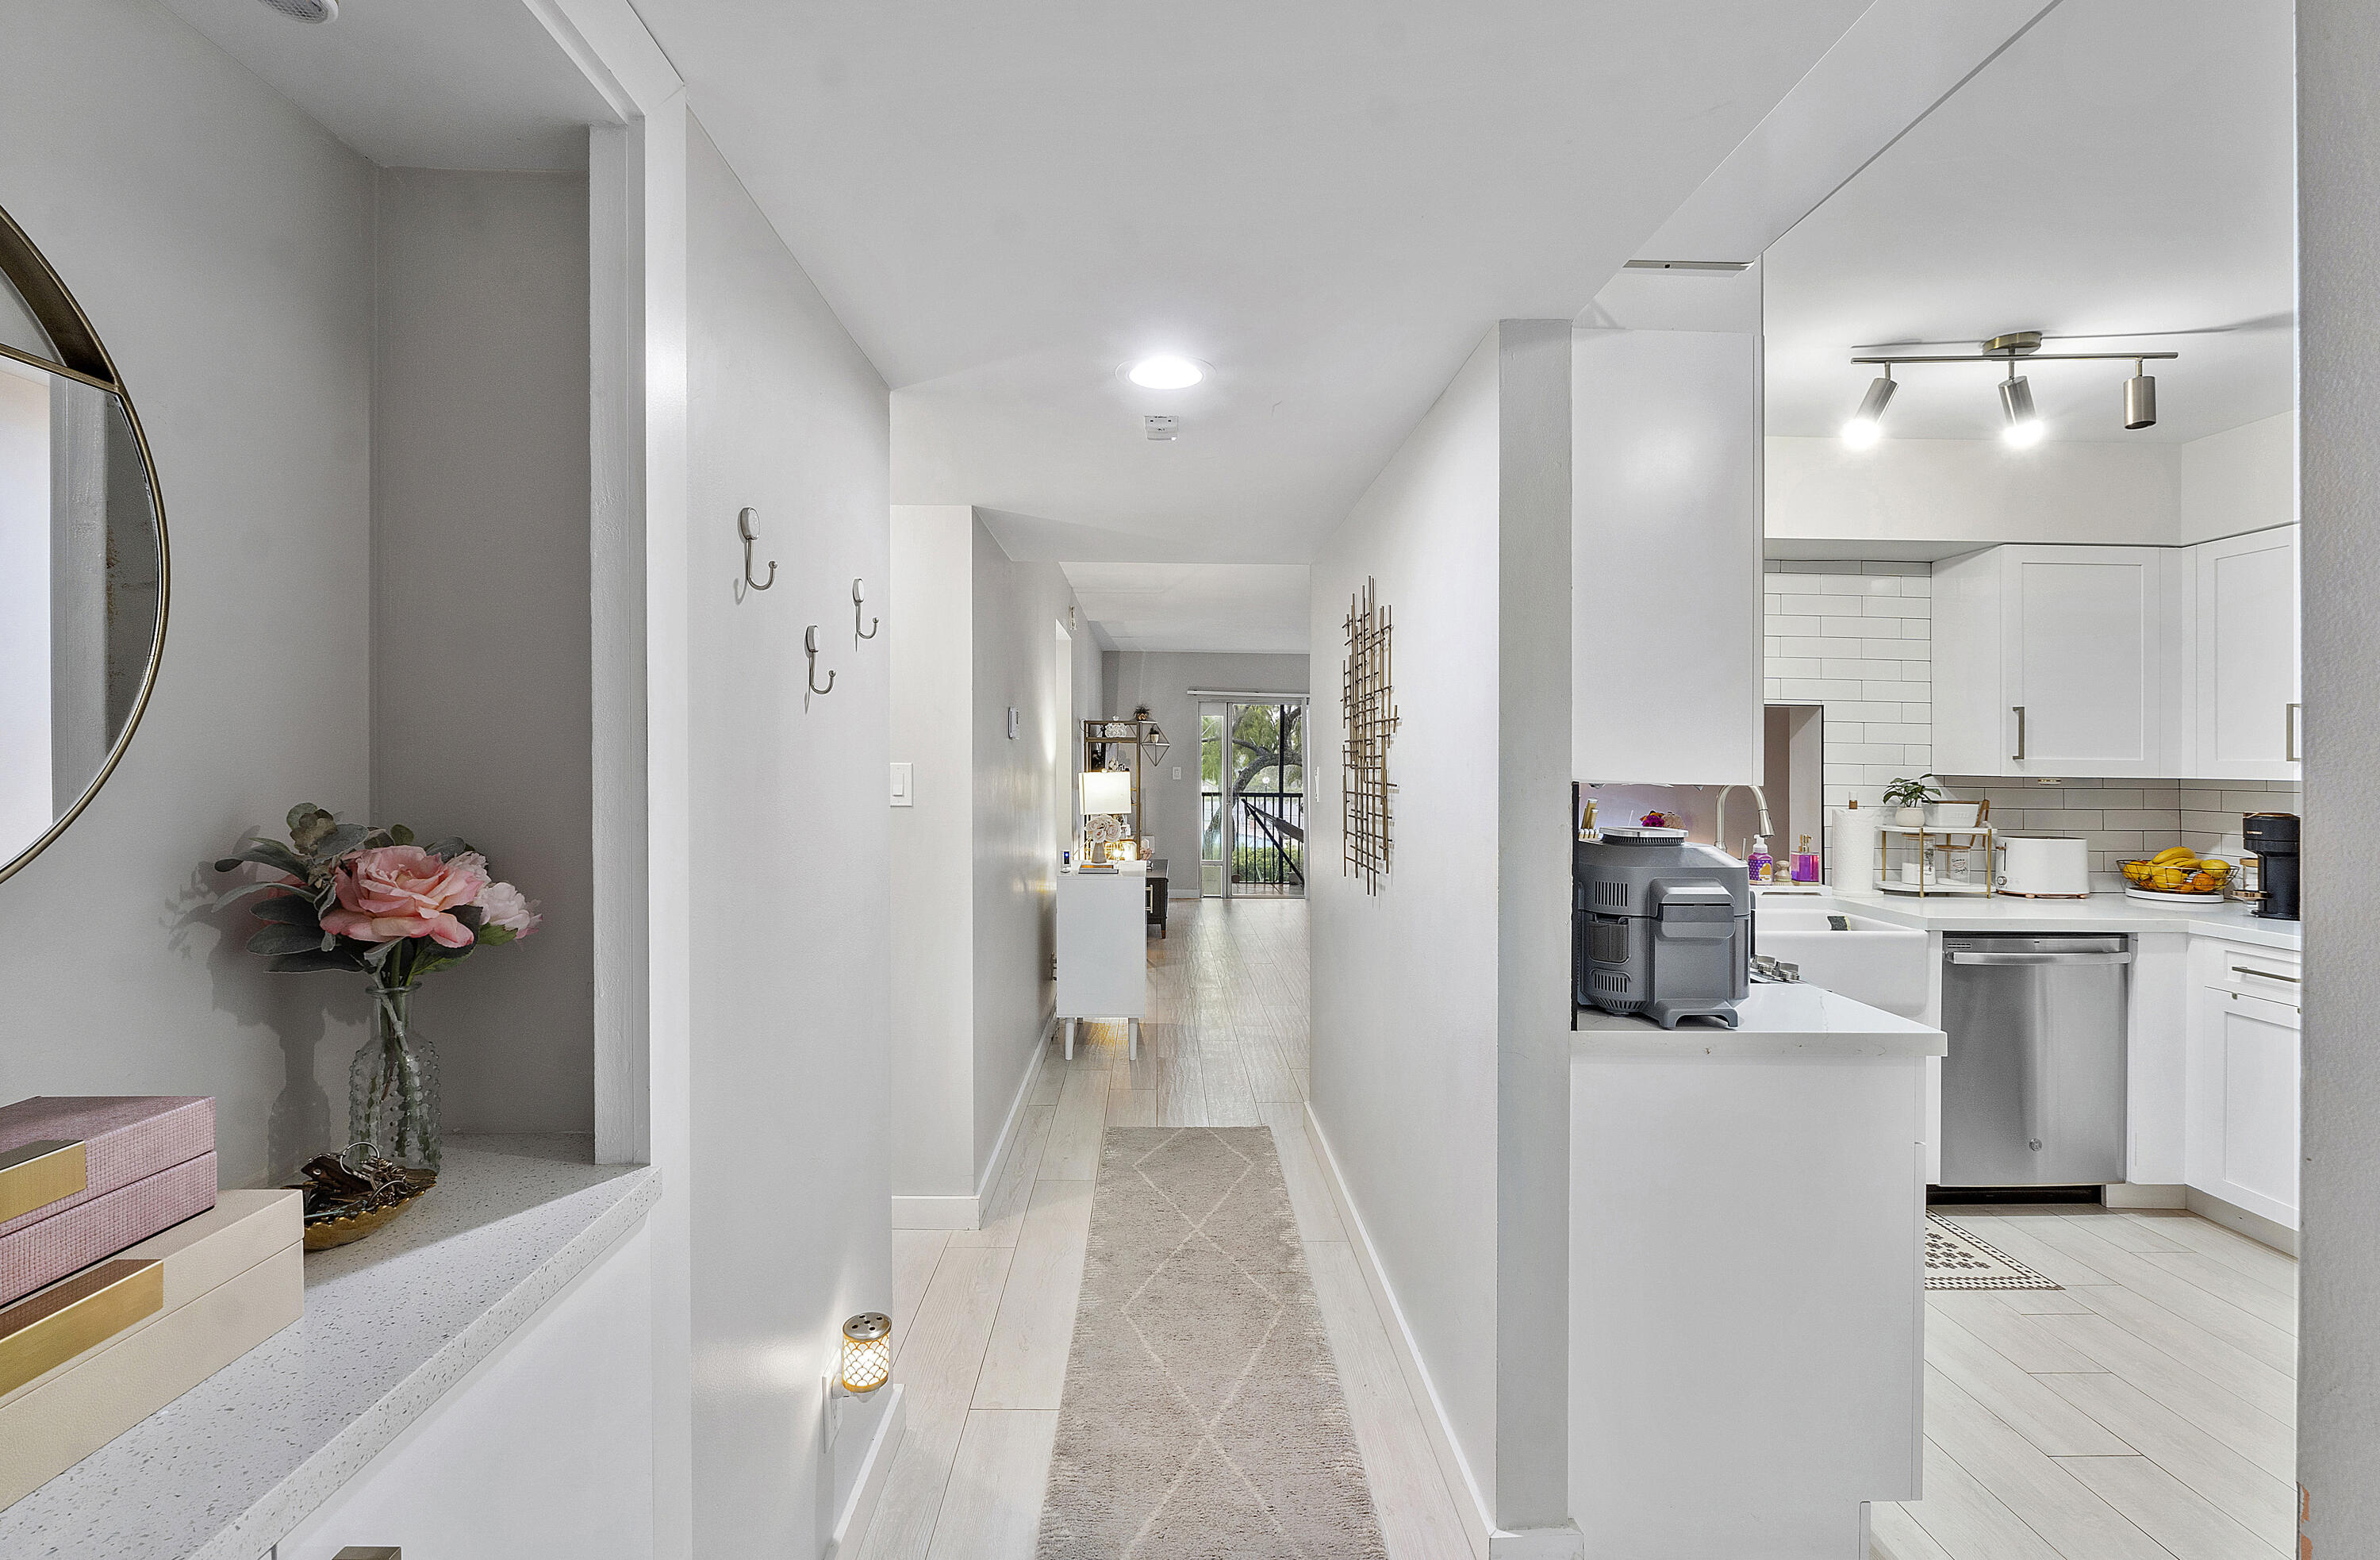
[(2176, 873)]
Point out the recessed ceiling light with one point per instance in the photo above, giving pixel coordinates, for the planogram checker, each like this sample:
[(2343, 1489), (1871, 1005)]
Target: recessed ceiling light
[(1165, 374)]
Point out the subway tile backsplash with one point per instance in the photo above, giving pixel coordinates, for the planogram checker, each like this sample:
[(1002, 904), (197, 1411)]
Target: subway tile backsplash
[(1856, 636)]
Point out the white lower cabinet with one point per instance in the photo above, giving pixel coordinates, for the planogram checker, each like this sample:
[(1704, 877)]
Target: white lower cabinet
[(2243, 1145), (544, 1448)]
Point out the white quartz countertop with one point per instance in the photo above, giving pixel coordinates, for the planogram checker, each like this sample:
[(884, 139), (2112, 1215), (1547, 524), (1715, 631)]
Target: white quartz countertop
[(1774, 1021), (226, 1470), (2232, 922)]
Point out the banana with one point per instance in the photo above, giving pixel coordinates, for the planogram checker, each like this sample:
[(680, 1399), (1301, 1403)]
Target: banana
[(2173, 854)]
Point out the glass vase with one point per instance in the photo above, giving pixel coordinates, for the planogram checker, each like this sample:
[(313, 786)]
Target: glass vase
[(393, 1088)]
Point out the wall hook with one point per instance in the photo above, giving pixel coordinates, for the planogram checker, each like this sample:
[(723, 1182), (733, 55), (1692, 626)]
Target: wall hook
[(809, 643), (859, 599), (743, 529)]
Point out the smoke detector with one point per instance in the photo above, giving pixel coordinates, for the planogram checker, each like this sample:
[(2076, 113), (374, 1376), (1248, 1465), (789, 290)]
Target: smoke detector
[(1160, 429), (306, 10)]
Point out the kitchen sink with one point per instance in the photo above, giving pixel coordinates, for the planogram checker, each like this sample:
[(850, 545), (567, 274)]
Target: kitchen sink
[(1873, 961)]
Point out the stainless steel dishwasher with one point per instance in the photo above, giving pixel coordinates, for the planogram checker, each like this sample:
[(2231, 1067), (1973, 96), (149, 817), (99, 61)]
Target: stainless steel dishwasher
[(2033, 1091)]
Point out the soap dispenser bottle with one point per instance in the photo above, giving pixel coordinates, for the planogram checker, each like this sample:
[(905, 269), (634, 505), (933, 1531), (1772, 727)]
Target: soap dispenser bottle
[(1758, 860), (1805, 862)]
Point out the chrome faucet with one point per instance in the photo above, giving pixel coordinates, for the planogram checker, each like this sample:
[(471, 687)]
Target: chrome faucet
[(1719, 812)]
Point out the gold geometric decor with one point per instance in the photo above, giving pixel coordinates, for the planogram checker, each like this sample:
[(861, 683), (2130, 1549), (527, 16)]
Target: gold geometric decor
[(1367, 706)]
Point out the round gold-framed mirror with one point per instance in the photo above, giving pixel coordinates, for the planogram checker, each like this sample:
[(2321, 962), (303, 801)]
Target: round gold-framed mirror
[(84, 575)]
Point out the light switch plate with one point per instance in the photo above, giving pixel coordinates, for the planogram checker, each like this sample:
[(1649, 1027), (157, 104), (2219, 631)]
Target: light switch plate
[(1177, 772), (904, 790), (1012, 719)]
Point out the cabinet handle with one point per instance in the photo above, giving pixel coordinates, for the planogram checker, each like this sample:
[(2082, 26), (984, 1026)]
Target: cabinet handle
[(2289, 732), (2244, 969), (2018, 757)]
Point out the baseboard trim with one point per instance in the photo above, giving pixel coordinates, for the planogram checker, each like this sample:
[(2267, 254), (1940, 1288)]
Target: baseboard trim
[(967, 1212), (2231, 1216), (2135, 1194), (1478, 1525), (875, 1472)]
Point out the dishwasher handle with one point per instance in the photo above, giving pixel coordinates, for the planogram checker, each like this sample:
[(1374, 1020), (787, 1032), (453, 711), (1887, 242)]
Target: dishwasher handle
[(2041, 958)]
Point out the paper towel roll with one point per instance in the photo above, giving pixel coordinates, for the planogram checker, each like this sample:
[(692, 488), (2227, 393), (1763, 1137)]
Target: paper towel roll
[(1851, 847)]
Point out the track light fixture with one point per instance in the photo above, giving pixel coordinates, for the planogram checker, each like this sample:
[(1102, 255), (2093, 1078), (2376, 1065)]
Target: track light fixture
[(1868, 424), (2023, 424), (2140, 398), (2016, 407)]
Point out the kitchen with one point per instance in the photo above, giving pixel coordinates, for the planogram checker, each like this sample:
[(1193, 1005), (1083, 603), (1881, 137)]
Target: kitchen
[(1996, 572)]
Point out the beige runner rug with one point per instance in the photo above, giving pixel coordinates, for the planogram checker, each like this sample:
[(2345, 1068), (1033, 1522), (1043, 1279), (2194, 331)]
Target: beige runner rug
[(1202, 1416)]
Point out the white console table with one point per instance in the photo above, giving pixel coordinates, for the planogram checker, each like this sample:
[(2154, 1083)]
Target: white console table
[(1102, 949)]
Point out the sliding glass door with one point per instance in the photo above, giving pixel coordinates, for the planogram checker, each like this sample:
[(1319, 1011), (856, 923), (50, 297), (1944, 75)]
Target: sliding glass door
[(1263, 815)]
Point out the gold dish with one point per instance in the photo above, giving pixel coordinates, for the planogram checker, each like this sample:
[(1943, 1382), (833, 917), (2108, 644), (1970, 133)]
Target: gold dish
[(333, 1228)]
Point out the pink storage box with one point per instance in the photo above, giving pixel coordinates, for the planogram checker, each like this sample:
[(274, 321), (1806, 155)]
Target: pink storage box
[(149, 1163)]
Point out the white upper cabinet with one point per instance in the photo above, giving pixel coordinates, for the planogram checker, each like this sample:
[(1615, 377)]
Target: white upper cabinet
[(2051, 661), (2249, 717)]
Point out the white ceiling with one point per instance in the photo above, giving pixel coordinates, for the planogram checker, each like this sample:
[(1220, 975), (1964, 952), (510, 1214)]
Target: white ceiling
[(1254, 608), (2127, 166), (1329, 202), (419, 83)]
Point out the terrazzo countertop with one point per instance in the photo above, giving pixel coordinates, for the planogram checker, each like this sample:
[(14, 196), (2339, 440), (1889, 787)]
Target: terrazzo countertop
[(226, 1470), (1777, 1021)]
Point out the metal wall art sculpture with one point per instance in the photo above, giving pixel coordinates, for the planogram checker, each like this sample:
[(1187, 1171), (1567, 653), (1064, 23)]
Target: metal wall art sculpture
[(1367, 707)]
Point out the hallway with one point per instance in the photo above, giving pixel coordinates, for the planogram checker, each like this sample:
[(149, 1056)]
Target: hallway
[(983, 1317)]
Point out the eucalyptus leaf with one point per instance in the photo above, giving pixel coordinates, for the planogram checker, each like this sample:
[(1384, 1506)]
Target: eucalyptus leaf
[(271, 853), (292, 909), (399, 834), (231, 895), (275, 939), (309, 824), (312, 959), (339, 841), (447, 849)]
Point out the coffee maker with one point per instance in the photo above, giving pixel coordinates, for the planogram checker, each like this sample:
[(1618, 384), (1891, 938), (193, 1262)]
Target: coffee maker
[(2272, 838)]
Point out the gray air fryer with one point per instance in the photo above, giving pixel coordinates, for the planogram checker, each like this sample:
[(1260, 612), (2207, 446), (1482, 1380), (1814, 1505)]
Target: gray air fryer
[(1660, 927)]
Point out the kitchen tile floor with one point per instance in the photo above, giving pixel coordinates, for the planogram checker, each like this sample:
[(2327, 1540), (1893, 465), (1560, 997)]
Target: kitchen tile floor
[(983, 1318), (2145, 1411)]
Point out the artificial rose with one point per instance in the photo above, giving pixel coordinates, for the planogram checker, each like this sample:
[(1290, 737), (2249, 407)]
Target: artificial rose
[(507, 907), (403, 891)]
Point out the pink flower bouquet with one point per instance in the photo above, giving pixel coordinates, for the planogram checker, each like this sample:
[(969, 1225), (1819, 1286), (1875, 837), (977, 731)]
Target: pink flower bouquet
[(353, 897)]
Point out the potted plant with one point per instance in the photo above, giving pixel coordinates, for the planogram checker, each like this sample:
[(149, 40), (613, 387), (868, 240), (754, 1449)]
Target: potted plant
[(1909, 800)]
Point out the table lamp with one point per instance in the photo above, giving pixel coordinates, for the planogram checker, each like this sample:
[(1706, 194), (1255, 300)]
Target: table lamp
[(1107, 793)]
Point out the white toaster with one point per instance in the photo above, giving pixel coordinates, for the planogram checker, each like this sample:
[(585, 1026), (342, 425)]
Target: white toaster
[(2041, 866)]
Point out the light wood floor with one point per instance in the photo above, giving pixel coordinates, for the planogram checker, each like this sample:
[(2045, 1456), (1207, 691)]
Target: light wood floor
[(982, 1318), (2147, 1411)]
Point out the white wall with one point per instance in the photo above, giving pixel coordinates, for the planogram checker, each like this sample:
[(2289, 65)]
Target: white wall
[(1162, 680), (222, 244), (930, 638), (1444, 1108), (1019, 788), (1979, 491), (1971, 490), (481, 713), (975, 861), (2338, 143), (2242, 479), (790, 1137)]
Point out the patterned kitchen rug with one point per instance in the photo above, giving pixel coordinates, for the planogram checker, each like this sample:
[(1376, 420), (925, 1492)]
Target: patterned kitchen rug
[(1202, 1414), (1956, 1258)]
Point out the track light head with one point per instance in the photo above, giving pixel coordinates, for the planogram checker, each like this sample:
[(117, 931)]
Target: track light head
[(2140, 398), (2024, 428), (1866, 424)]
